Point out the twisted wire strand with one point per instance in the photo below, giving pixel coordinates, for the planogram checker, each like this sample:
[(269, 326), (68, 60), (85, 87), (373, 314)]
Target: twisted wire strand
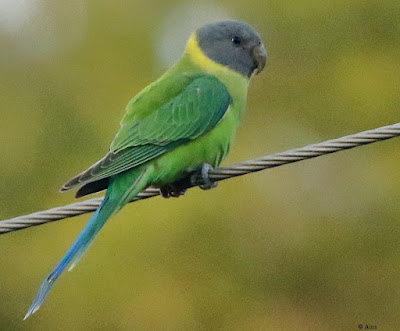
[(218, 174)]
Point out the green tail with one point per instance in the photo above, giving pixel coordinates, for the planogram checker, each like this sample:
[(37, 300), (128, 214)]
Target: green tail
[(121, 190)]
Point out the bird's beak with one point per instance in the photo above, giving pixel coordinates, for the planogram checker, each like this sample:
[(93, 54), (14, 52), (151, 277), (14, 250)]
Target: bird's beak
[(260, 57)]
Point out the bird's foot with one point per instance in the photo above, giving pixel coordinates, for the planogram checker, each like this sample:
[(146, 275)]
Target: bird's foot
[(199, 177), (169, 191), (206, 182)]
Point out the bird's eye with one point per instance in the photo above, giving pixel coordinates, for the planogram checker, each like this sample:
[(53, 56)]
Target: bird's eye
[(236, 40)]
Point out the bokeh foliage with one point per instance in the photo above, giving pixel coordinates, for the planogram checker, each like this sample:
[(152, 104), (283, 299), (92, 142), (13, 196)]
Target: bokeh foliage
[(313, 245)]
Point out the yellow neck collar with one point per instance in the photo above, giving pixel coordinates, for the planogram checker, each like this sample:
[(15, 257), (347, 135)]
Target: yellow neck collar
[(199, 58)]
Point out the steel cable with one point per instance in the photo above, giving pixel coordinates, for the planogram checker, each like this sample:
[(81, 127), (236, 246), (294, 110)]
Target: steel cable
[(218, 174)]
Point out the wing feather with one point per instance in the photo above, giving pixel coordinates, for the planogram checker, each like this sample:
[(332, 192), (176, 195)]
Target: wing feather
[(190, 114)]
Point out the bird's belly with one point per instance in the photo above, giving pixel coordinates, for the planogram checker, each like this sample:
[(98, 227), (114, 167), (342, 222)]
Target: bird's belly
[(211, 148)]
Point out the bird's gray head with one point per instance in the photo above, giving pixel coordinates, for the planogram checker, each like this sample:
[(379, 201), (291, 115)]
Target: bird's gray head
[(234, 44)]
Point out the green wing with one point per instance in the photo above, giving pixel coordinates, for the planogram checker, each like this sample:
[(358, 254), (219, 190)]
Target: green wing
[(190, 114)]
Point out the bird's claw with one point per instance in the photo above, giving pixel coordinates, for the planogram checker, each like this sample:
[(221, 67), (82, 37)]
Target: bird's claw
[(169, 191), (197, 178), (206, 182)]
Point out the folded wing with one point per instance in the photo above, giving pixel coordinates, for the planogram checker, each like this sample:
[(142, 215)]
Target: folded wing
[(192, 113)]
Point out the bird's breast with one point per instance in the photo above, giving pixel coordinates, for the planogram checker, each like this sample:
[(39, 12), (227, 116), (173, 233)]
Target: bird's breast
[(210, 148)]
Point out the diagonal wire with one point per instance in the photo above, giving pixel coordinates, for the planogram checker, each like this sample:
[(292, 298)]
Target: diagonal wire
[(239, 169)]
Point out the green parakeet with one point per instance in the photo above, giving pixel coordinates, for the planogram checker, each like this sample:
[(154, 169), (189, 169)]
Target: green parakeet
[(183, 120)]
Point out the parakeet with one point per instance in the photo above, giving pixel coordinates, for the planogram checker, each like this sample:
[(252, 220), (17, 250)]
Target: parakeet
[(182, 121)]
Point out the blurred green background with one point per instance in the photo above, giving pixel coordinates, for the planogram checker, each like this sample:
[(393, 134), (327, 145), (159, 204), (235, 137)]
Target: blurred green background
[(309, 246)]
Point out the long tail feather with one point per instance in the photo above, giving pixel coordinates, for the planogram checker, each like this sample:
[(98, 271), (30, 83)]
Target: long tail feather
[(117, 196), (77, 250)]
